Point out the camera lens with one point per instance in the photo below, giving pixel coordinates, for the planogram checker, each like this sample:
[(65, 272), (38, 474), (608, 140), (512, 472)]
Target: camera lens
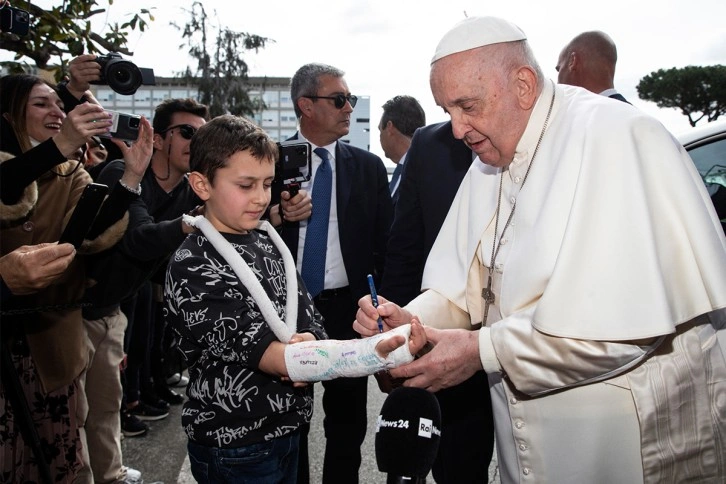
[(123, 76), (134, 122)]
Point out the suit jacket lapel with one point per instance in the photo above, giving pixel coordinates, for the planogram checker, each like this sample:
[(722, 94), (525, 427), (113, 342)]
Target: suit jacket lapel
[(344, 169)]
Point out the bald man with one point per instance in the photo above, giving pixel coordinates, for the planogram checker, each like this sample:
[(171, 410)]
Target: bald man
[(589, 61)]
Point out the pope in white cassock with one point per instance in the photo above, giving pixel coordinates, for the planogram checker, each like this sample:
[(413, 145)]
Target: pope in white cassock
[(586, 243)]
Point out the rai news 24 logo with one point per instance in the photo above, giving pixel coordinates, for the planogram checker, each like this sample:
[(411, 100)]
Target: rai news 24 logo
[(426, 428)]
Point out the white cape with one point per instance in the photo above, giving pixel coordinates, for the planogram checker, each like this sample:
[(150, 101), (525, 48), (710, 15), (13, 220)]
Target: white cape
[(616, 237)]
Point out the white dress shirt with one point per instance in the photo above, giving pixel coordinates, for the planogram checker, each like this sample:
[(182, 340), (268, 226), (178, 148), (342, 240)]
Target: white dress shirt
[(335, 275)]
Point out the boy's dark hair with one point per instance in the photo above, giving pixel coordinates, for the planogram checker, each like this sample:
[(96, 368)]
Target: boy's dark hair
[(167, 108), (405, 113), (215, 142)]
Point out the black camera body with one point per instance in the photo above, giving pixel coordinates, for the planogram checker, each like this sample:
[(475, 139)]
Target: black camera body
[(123, 76), (14, 20), (294, 165)]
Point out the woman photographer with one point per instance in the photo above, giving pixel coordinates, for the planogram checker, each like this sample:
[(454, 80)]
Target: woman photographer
[(42, 333)]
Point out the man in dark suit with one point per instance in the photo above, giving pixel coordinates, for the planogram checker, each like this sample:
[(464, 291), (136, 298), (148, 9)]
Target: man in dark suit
[(351, 219), (402, 116), (589, 61), (436, 164)]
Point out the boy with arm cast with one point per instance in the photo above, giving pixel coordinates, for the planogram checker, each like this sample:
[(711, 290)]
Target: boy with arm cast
[(237, 303)]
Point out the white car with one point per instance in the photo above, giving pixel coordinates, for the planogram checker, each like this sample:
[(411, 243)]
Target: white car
[(707, 147)]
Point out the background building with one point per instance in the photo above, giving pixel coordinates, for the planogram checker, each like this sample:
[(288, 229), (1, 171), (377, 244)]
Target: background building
[(277, 119)]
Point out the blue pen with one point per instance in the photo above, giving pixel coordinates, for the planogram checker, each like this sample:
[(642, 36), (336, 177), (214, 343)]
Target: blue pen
[(374, 299)]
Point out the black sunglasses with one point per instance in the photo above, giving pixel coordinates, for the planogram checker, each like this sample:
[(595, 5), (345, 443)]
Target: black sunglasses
[(185, 130), (339, 100)]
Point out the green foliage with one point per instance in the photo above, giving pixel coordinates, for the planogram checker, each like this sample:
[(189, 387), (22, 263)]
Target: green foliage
[(221, 73), (64, 31), (692, 89)]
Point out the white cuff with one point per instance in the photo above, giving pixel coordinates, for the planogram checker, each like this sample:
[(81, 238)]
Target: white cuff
[(487, 355), (435, 311)]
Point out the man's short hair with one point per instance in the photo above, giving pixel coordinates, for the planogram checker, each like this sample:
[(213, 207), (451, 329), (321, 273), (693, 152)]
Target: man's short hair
[(306, 81), (216, 141), (168, 107), (405, 113)]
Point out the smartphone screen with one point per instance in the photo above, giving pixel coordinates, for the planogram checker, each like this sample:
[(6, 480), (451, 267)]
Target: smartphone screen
[(84, 214)]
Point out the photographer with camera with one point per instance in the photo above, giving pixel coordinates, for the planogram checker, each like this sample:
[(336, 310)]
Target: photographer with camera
[(44, 343)]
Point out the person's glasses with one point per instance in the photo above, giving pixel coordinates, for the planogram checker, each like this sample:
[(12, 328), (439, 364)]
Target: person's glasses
[(185, 130), (339, 100)]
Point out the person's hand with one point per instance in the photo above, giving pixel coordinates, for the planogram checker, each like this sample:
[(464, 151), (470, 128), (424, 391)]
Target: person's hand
[(453, 359), (82, 71), (84, 121), (366, 319), (297, 208), (196, 211), (30, 268), (300, 337), (137, 156), (416, 340)]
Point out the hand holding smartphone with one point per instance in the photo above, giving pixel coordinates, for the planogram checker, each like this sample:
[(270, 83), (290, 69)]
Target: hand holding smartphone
[(84, 214)]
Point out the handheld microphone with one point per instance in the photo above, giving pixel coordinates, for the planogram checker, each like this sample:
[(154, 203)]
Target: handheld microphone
[(408, 434)]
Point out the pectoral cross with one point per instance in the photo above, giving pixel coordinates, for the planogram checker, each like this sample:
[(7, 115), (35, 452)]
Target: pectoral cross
[(488, 295)]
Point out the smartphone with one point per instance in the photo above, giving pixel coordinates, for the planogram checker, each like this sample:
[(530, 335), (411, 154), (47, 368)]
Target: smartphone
[(14, 20), (84, 214), (125, 126), (294, 164)]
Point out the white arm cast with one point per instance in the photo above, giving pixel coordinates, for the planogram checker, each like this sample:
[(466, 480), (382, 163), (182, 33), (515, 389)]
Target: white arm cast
[(311, 361)]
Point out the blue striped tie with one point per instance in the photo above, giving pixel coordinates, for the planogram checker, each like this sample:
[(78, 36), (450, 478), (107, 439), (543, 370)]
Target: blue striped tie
[(316, 236)]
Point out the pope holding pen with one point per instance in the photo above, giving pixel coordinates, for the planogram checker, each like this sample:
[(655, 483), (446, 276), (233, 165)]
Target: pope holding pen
[(374, 300)]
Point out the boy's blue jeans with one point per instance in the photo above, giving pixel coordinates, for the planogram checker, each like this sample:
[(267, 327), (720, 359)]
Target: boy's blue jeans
[(269, 462)]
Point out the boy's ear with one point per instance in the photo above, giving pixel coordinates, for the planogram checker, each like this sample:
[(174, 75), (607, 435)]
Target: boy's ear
[(199, 184)]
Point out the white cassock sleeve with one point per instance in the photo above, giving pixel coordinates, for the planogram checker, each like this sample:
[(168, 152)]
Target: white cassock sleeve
[(435, 311), (537, 363)]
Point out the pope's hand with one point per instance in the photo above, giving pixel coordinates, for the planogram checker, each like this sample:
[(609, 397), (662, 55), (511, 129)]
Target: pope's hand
[(453, 359), (366, 319)]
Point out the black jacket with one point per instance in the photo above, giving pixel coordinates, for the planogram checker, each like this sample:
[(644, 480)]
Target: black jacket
[(436, 162), (154, 233)]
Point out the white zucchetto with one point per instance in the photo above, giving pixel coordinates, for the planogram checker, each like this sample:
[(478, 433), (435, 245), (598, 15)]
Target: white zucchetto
[(476, 32)]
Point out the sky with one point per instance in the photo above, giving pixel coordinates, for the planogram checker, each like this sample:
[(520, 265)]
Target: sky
[(385, 46)]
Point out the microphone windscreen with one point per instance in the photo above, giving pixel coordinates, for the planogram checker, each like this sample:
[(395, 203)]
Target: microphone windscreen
[(408, 432)]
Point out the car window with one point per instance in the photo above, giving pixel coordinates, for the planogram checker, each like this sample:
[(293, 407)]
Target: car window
[(710, 160)]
